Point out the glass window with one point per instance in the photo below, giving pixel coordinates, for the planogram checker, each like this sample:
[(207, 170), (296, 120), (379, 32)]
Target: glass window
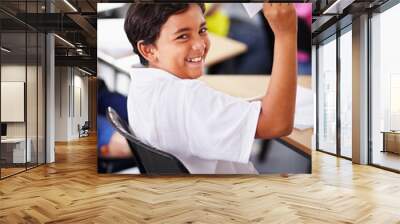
[(13, 147), (41, 79), (327, 96), (22, 89), (31, 97), (346, 94), (385, 89)]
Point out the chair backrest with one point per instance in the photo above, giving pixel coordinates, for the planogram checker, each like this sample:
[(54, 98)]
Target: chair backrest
[(149, 159), (86, 125)]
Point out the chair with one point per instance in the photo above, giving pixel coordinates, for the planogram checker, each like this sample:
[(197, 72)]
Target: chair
[(149, 159), (84, 130), (113, 165)]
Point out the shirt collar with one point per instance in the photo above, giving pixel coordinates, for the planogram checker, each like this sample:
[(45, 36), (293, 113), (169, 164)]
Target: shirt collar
[(149, 74)]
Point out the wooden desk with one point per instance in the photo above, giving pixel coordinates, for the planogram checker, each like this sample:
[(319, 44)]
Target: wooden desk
[(391, 141), (223, 48), (249, 86)]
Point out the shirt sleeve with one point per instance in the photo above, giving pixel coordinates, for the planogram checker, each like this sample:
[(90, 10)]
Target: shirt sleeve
[(214, 125)]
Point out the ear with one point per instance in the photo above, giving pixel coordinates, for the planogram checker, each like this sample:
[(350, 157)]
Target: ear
[(148, 51)]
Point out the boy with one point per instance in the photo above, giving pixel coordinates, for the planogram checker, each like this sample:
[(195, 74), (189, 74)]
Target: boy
[(209, 131)]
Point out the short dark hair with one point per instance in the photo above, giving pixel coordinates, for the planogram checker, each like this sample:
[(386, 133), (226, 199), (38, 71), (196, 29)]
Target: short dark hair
[(144, 21)]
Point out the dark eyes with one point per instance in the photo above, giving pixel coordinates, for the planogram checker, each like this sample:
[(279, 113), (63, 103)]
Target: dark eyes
[(185, 36), (203, 30)]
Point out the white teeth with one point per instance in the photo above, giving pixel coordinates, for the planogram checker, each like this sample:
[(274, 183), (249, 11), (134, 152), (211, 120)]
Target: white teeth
[(194, 59)]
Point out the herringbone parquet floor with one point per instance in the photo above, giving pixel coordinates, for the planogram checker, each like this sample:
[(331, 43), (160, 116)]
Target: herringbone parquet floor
[(70, 191)]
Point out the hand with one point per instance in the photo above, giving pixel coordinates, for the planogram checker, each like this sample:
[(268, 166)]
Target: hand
[(282, 18), (118, 146)]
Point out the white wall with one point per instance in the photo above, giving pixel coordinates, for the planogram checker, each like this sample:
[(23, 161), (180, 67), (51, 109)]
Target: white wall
[(68, 83), (80, 83), (61, 114), (33, 125), (12, 101), (14, 73)]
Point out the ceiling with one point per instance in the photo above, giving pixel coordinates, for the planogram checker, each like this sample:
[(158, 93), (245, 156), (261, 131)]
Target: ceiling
[(76, 25), (332, 15)]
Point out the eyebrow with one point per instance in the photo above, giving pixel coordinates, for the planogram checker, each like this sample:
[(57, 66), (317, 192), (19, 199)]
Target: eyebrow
[(188, 29)]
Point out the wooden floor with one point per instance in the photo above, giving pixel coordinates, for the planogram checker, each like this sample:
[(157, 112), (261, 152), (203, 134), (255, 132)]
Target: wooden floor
[(10, 171), (70, 191)]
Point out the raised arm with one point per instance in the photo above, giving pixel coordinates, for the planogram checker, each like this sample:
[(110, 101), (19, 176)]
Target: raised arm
[(278, 105)]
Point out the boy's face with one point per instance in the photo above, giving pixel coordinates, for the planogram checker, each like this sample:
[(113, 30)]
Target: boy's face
[(183, 44)]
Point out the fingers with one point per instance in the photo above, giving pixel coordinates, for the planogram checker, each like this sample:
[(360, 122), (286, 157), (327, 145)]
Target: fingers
[(281, 17), (277, 5), (278, 8)]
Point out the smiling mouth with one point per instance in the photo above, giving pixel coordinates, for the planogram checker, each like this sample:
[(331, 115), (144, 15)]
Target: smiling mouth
[(195, 60)]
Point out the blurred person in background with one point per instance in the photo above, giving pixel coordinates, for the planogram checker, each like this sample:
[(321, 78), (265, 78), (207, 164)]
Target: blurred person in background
[(231, 20), (304, 38), (109, 142)]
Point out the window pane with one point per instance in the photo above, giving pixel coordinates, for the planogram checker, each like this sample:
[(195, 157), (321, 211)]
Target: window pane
[(13, 85), (31, 98), (385, 89), (327, 97), (346, 94), (41, 98)]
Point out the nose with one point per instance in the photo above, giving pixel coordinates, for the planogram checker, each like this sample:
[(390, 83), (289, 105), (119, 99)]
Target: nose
[(199, 45)]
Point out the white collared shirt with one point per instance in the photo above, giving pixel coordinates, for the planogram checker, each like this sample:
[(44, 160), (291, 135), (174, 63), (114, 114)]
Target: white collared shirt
[(207, 130)]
